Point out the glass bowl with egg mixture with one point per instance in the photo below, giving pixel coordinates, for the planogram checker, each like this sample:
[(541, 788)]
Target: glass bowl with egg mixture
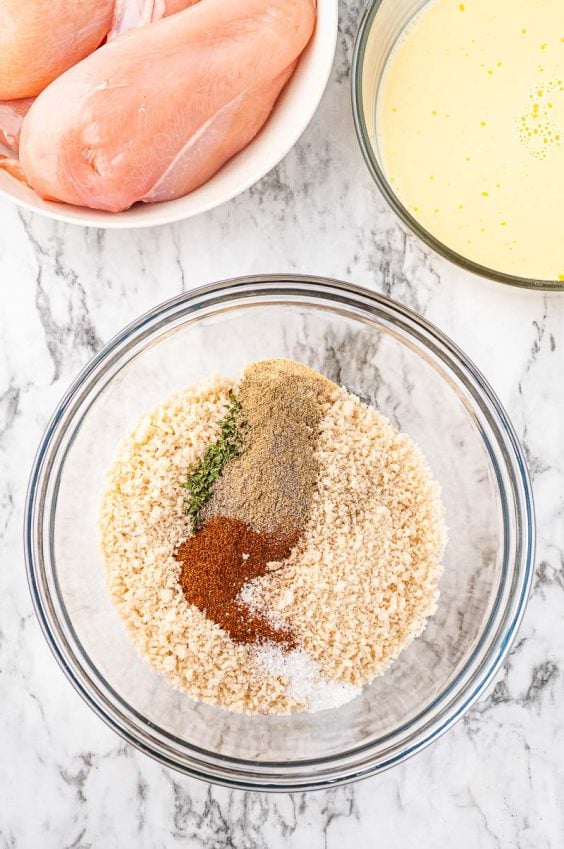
[(393, 360), (459, 112)]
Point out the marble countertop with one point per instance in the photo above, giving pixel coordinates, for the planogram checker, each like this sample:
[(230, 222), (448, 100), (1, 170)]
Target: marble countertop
[(496, 779)]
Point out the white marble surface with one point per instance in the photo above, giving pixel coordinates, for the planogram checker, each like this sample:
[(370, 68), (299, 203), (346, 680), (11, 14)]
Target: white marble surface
[(497, 779)]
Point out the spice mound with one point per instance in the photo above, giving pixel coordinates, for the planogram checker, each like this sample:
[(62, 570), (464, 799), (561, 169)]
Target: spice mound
[(217, 562), (272, 543)]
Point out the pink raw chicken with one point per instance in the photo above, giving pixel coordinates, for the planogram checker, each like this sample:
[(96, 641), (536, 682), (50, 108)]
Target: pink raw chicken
[(12, 113), (158, 111), (39, 39), (129, 14)]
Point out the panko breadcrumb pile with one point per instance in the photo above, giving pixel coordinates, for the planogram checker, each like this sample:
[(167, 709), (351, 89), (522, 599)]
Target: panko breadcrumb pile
[(358, 586)]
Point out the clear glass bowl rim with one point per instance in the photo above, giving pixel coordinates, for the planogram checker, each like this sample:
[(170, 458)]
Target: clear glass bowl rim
[(379, 177), (322, 772)]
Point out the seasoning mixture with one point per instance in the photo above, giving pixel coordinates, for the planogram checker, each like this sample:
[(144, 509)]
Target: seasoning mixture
[(271, 543)]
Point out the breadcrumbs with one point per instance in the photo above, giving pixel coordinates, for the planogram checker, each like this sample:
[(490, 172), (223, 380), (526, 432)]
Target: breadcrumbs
[(357, 588)]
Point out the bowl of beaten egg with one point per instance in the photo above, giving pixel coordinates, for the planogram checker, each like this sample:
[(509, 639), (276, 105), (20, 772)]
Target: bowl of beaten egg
[(459, 110)]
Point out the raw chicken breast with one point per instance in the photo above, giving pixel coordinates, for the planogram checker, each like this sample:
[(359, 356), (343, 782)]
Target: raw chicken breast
[(155, 113), (39, 39), (14, 169), (230, 130), (129, 14), (12, 113)]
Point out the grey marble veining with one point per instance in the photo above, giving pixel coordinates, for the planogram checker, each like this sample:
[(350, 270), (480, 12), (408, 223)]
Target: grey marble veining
[(496, 779)]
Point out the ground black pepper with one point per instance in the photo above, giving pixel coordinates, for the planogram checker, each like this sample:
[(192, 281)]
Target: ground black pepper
[(270, 483)]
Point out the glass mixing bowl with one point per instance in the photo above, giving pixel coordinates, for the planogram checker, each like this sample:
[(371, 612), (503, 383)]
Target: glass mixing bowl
[(381, 25), (393, 359)]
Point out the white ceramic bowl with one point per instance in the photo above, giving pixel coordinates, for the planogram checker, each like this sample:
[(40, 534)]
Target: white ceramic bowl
[(292, 113)]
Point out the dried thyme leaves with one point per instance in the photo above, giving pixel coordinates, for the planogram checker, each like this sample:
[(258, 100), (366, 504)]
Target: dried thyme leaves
[(202, 476)]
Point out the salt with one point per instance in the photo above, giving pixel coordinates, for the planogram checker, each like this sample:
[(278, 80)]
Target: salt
[(305, 682)]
